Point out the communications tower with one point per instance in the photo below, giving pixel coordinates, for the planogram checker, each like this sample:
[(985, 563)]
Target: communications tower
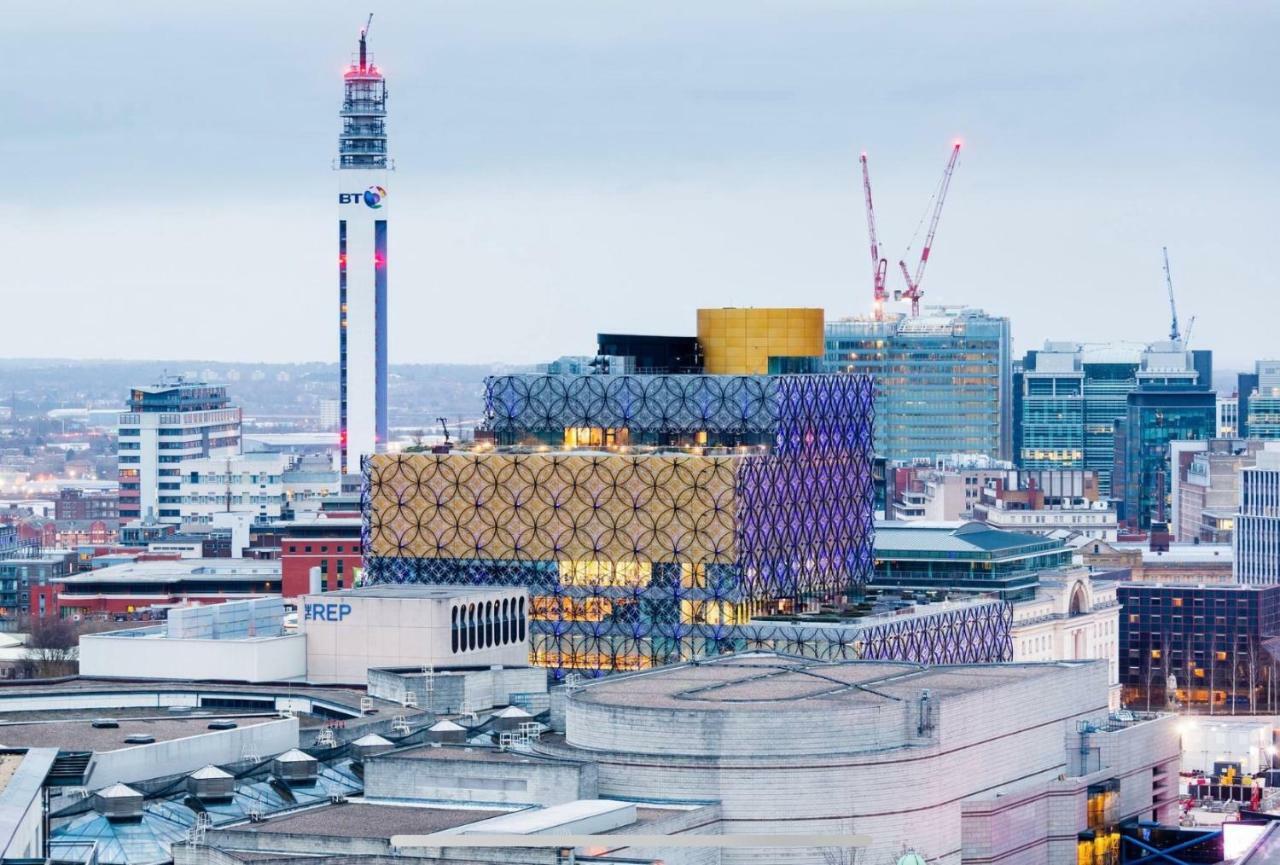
[(362, 167)]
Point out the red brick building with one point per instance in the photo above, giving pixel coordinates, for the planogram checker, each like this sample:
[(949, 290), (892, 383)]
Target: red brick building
[(330, 545)]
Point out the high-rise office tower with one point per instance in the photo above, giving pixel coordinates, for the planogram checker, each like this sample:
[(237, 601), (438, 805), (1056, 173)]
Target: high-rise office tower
[(1258, 403), (941, 380), (1069, 397), (1256, 537), (167, 425), (362, 166)]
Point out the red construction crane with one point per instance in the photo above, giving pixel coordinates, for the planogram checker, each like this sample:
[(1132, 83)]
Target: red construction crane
[(879, 266), (913, 291)]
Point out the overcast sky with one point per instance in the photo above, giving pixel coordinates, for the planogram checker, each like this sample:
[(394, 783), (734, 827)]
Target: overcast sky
[(565, 168)]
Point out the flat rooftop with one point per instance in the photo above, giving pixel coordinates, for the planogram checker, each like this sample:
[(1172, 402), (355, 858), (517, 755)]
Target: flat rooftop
[(971, 538), (221, 570), (79, 734), (370, 820), (469, 754), (422, 592), (777, 683)]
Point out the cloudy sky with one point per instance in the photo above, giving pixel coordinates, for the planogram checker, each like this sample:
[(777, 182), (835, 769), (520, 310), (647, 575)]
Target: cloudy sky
[(569, 167)]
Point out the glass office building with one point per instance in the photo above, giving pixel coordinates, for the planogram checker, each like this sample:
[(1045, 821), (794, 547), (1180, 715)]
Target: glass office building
[(1156, 416), (1261, 405), (1070, 396), (941, 380)]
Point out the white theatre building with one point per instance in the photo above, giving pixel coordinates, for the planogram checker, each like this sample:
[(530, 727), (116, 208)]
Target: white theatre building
[(362, 166)]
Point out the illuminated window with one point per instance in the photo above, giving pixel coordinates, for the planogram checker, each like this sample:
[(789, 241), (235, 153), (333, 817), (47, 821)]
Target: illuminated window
[(604, 573), (1221, 656), (693, 576), (712, 613), (1155, 653)]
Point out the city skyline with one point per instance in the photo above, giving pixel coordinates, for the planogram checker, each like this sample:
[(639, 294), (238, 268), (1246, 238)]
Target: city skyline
[(538, 171)]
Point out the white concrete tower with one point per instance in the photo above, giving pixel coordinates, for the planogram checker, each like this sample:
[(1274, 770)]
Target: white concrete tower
[(362, 166)]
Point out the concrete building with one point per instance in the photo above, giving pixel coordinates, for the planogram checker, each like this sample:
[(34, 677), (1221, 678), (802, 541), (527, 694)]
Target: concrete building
[(23, 830), (266, 485), (22, 575), (791, 746), (1207, 493), (233, 641), (1229, 415), (1047, 501), (1073, 616), (941, 378), (362, 166), (1256, 533), (74, 503), (330, 415), (946, 489), (126, 589), (1180, 563), (166, 425), (350, 631)]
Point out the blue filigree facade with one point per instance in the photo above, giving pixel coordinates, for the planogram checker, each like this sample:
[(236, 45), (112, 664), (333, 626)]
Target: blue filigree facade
[(727, 409)]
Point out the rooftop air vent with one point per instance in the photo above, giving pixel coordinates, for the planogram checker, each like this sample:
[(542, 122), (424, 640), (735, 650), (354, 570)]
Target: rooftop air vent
[(367, 746), (510, 718), (118, 802), (211, 784), (223, 725), (139, 739), (295, 767), (104, 723), (446, 731)]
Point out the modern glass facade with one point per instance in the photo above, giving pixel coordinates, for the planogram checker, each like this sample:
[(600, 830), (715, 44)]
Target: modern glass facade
[(1155, 417), (1070, 397), (1261, 415), (973, 558), (941, 380), (635, 559), (1199, 645)]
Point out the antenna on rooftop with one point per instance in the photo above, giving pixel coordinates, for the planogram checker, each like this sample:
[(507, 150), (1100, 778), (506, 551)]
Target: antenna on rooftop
[(364, 34)]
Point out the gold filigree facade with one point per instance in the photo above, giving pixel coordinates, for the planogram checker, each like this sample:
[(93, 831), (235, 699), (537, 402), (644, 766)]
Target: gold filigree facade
[(605, 517)]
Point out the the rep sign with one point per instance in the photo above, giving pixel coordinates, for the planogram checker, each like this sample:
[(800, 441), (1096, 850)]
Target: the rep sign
[(325, 612)]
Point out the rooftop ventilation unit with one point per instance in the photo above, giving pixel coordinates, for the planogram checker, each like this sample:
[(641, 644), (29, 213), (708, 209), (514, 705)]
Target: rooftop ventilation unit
[(104, 723), (211, 784), (223, 725), (510, 718), (139, 739), (368, 746), (118, 802), (446, 731), (296, 767)]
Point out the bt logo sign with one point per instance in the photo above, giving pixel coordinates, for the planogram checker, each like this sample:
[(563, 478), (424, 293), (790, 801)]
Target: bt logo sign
[(372, 197)]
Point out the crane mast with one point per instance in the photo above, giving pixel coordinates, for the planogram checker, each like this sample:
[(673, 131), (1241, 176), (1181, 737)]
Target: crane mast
[(879, 265), (913, 291), (1174, 334)]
